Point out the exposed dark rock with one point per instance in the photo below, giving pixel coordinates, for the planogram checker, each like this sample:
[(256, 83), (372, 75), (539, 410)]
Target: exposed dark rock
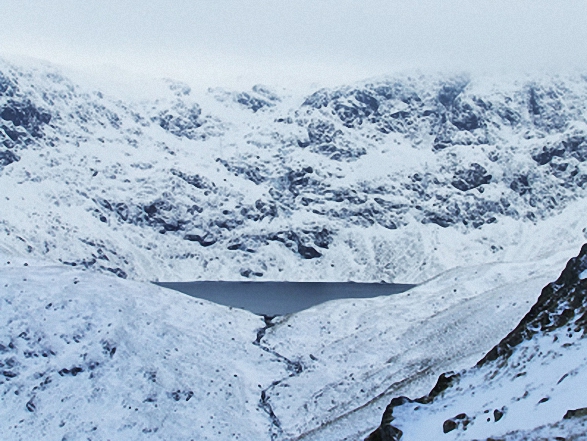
[(179, 395), (320, 99), (251, 172), (576, 413), (259, 211), (509, 116), (560, 302), (205, 241), (266, 209), (108, 348), (576, 146), (533, 105), (370, 103), (459, 421), (299, 243), (13, 135), (386, 433), (450, 91), (249, 272), (322, 132), (443, 140), (265, 92), (7, 157), (181, 120), (441, 219), (228, 223), (466, 116), (336, 153), (9, 374), (25, 114), (195, 180), (546, 107), (7, 87), (521, 185), (353, 113), (471, 178), (325, 139), (308, 252), (449, 425), (346, 195), (444, 382), (119, 272), (251, 102), (374, 104), (572, 146), (297, 180), (159, 214), (498, 414), (548, 153), (322, 238), (73, 371)]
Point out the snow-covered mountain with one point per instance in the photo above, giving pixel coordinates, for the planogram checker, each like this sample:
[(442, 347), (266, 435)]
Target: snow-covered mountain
[(475, 185), (528, 387), (396, 179), (86, 355)]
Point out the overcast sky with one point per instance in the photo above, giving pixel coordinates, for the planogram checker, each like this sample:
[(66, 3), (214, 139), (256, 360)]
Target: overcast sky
[(218, 42)]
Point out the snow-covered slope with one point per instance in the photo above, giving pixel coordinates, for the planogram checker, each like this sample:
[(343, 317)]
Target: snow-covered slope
[(85, 355), (528, 387), (396, 179)]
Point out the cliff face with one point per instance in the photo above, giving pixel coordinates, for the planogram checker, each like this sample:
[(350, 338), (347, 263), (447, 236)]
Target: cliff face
[(397, 179), (526, 387)]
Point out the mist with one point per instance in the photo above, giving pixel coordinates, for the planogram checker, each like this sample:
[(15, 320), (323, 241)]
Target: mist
[(224, 42)]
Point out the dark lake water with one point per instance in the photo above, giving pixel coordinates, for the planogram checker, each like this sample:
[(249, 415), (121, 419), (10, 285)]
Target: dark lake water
[(279, 298)]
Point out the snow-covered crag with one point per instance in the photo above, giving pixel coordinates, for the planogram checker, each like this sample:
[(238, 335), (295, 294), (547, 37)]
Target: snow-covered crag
[(529, 386), (397, 179)]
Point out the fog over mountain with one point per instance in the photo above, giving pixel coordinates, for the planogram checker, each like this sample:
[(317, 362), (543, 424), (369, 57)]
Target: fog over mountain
[(329, 42)]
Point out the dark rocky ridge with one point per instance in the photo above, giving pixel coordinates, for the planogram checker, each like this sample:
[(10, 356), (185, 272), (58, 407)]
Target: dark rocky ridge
[(561, 304)]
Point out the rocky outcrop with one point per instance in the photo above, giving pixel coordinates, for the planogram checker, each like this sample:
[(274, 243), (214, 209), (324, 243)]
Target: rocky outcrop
[(177, 181), (553, 330)]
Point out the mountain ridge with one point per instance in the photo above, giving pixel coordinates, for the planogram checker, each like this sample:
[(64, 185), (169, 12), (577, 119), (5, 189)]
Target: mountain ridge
[(378, 181), (536, 357)]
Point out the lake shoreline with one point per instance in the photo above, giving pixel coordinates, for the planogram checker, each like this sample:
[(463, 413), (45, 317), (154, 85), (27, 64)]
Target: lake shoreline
[(270, 298)]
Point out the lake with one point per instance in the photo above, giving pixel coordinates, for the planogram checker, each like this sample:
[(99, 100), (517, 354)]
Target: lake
[(280, 298)]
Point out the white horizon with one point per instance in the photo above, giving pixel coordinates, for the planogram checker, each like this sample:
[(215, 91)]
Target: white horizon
[(230, 42)]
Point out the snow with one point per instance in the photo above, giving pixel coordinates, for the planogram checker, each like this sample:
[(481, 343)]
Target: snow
[(583, 275), (153, 362), (125, 185), (78, 194), (325, 372), (530, 394), (527, 389)]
